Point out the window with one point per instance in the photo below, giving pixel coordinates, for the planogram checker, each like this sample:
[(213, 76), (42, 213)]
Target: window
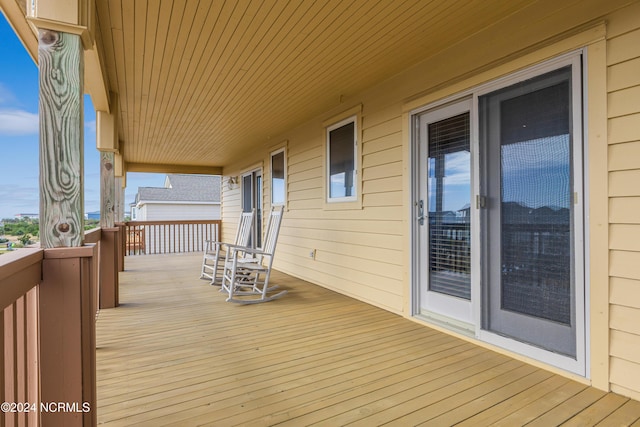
[(278, 177), (341, 161)]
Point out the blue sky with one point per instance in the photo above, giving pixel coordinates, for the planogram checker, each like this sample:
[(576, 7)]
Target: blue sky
[(19, 182)]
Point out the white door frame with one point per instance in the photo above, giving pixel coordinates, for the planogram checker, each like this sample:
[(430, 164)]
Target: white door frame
[(456, 313), (578, 365), (256, 198)]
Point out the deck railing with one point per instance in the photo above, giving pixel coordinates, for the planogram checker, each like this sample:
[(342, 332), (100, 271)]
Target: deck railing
[(49, 300), (163, 237), (20, 274)]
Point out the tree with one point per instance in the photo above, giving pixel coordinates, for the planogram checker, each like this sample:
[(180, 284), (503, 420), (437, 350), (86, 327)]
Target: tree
[(25, 239)]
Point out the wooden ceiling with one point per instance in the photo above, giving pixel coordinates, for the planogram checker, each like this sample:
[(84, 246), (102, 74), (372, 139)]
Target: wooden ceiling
[(200, 82)]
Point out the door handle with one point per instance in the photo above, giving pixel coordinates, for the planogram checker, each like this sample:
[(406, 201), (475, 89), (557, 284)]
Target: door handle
[(420, 217), (481, 202)]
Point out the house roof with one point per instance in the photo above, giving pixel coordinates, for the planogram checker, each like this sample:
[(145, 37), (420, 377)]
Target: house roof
[(183, 188)]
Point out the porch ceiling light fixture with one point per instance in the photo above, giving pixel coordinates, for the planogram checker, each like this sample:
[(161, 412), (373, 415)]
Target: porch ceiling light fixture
[(232, 182)]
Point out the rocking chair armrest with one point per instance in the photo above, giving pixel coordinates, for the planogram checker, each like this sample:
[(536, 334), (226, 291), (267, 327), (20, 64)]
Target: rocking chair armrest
[(238, 248), (221, 245), (213, 247)]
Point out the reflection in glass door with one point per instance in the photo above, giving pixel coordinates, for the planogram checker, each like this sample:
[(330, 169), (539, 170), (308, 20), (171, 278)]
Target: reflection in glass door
[(445, 186), (449, 189), (526, 133), (252, 199)]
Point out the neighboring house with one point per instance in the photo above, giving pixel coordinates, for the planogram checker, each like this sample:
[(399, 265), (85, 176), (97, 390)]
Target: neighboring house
[(183, 197)]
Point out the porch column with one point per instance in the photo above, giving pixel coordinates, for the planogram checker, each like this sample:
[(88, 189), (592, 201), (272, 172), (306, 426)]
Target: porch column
[(119, 208), (119, 201), (107, 190), (60, 58), (107, 144), (66, 310), (120, 205)]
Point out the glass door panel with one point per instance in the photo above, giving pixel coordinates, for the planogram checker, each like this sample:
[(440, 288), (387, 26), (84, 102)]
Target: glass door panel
[(449, 191), (526, 132), (444, 228), (252, 199)]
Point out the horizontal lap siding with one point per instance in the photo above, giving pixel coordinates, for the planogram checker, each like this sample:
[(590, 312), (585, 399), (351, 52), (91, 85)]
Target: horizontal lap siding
[(357, 251), (162, 211), (623, 85), (230, 209)]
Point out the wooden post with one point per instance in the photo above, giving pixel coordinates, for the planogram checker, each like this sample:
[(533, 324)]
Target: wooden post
[(107, 190), (109, 282), (120, 218), (60, 59), (66, 306), (119, 201), (109, 242), (67, 337), (121, 243)]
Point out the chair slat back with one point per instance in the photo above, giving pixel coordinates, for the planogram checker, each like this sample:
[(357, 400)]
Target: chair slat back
[(272, 230), (244, 228)]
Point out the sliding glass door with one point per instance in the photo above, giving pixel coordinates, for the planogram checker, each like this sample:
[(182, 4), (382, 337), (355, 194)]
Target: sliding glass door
[(499, 233), (527, 143)]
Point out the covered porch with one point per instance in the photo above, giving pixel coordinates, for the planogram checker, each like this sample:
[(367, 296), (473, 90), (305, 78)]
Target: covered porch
[(174, 353), (253, 91)]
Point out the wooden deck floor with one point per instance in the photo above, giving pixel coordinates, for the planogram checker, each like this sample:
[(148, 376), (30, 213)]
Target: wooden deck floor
[(174, 353)]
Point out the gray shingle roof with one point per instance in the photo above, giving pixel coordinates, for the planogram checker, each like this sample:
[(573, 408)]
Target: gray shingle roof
[(183, 188)]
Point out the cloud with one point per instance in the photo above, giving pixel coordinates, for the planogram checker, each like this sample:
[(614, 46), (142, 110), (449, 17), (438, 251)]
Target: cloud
[(90, 126), (18, 122), (18, 198), (6, 96)]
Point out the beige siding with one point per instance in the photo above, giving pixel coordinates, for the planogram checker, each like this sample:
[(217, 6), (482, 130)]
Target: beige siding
[(624, 156), (364, 252), (623, 84), (357, 251), (230, 209)]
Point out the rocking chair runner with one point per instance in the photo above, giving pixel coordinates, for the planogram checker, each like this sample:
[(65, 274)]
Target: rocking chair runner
[(215, 252), (249, 277)]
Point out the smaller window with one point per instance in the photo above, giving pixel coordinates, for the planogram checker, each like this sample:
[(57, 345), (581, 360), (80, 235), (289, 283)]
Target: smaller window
[(278, 177), (341, 164)]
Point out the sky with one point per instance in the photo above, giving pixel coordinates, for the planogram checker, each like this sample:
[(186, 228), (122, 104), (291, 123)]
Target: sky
[(19, 170)]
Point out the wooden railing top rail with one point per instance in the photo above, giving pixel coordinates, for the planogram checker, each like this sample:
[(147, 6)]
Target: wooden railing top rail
[(174, 222), (93, 236), (19, 271)]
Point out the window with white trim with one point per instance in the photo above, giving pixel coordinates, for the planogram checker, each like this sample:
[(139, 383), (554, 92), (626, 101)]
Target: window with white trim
[(342, 150)]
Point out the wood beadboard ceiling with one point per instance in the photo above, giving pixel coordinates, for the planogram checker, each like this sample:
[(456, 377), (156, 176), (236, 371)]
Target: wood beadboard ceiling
[(201, 81)]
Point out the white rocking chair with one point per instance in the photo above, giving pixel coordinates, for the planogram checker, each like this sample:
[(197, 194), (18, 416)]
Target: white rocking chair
[(247, 280), (215, 252)]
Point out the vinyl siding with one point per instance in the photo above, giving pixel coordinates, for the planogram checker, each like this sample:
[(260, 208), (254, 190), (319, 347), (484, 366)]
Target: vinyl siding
[(230, 209), (623, 105), (358, 251), (177, 212)]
